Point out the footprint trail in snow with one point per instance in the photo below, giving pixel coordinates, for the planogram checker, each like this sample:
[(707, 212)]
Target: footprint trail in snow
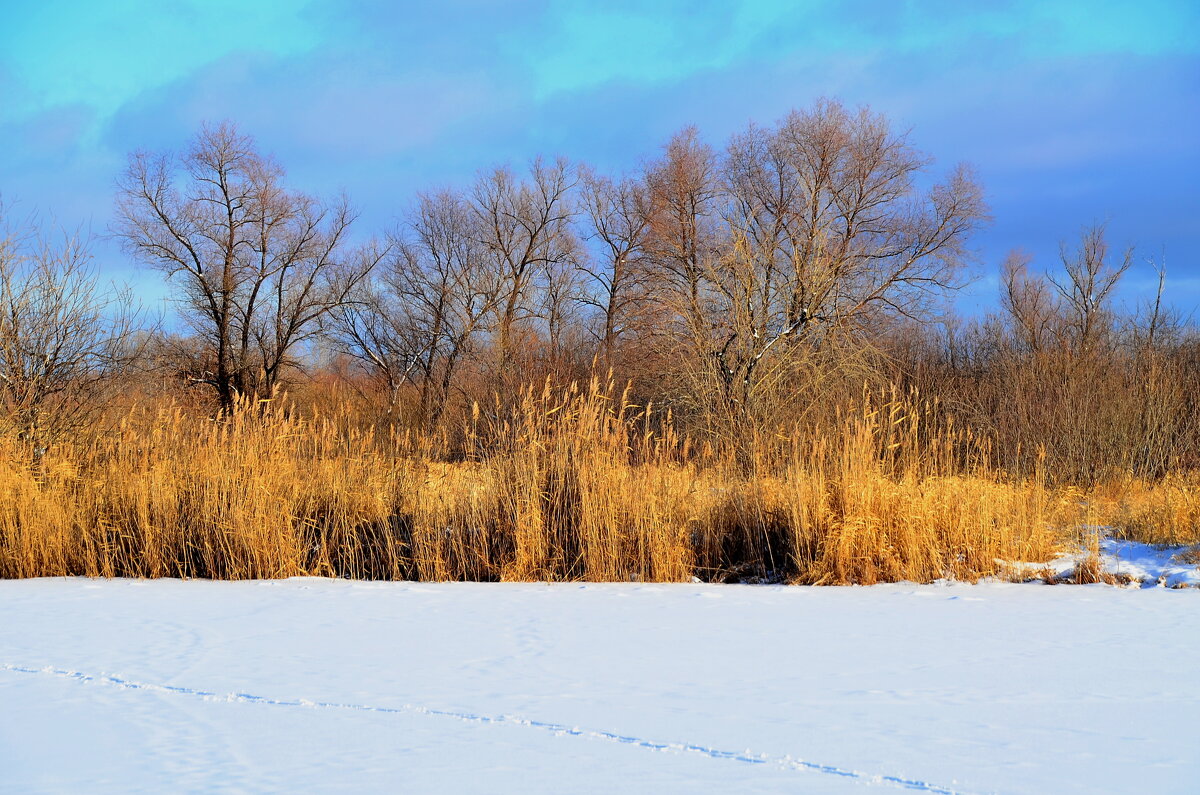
[(744, 757)]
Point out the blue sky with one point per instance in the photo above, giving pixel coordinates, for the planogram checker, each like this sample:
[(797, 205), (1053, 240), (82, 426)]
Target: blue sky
[(1072, 111)]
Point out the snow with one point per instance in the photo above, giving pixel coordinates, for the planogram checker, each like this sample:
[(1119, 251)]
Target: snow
[(1130, 562), (333, 686)]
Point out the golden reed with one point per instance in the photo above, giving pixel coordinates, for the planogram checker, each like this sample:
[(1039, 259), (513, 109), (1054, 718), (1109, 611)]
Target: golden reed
[(569, 484)]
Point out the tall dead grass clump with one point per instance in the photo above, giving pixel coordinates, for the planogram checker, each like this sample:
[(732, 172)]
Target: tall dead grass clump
[(1164, 512), (889, 500), (567, 483)]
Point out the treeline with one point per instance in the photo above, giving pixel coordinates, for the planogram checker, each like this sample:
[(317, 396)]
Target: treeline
[(753, 293)]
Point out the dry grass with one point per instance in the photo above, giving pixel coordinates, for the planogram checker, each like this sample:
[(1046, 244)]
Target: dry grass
[(571, 484), (1165, 512)]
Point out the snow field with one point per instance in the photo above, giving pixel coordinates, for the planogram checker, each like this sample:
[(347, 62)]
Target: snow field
[(333, 686)]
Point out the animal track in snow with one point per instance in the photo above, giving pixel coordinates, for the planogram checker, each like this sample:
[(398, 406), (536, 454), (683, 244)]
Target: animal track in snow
[(746, 757)]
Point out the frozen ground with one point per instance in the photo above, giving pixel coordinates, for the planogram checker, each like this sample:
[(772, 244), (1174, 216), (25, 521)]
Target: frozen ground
[(1138, 565), (329, 686)]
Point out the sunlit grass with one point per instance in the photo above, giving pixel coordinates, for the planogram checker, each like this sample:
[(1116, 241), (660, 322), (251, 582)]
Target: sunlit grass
[(571, 484)]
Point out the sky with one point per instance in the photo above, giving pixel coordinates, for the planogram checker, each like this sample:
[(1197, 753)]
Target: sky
[(1072, 111)]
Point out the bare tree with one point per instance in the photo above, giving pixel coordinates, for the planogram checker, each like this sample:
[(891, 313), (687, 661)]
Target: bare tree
[(256, 265), (802, 234), (831, 199), (618, 212), (65, 340), (373, 327), (526, 229), (1086, 286), (683, 233), (1030, 303), (562, 295), (418, 319)]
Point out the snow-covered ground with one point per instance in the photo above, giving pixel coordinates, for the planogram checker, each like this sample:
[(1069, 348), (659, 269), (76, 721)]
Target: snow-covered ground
[(1128, 562), (330, 686)]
